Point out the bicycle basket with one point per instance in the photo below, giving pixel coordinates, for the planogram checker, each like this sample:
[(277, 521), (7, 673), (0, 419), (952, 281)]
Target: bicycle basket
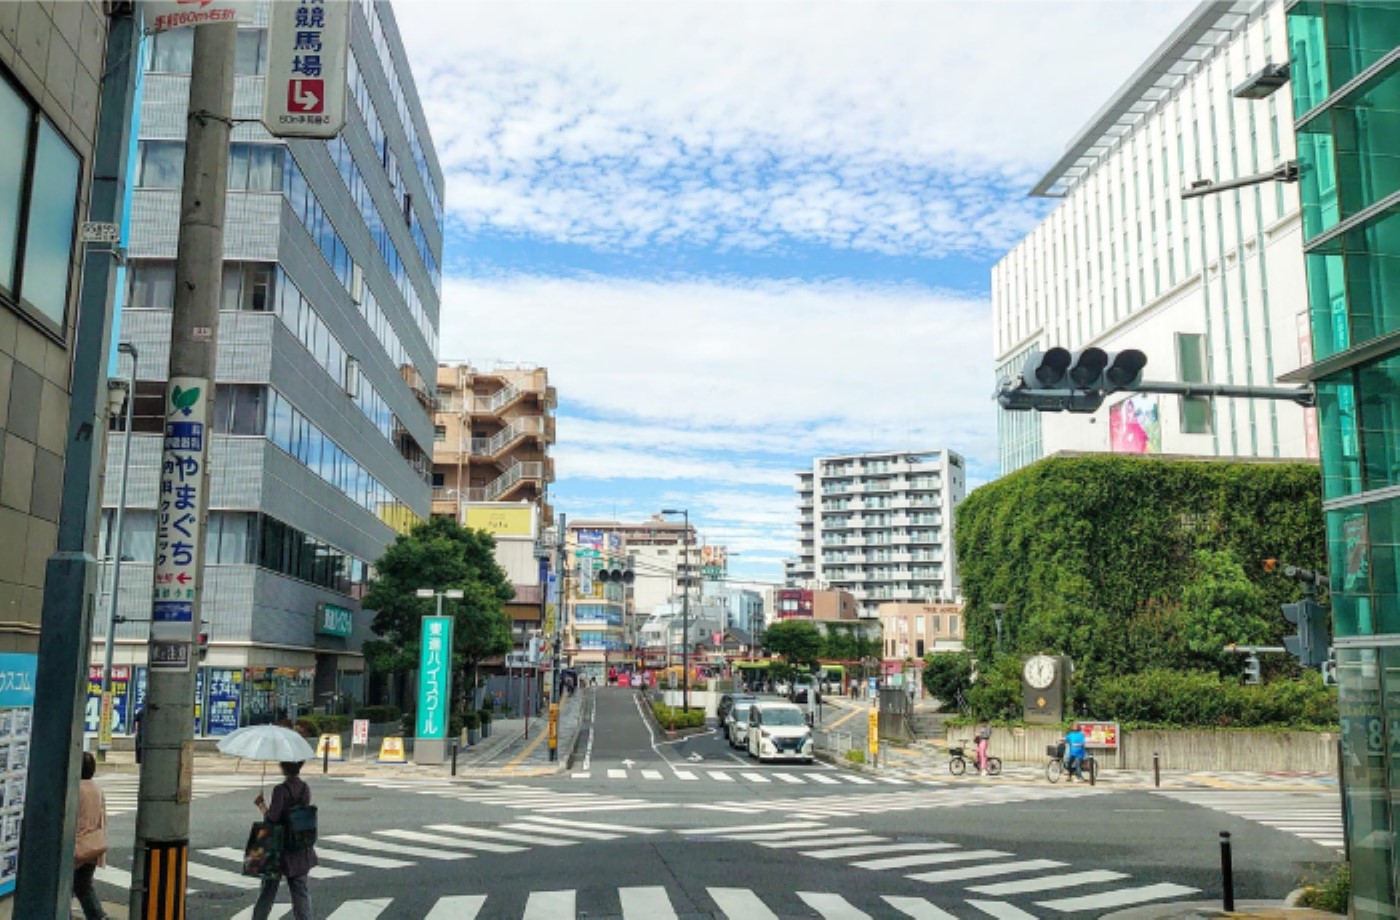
[(956, 752), (1056, 750)]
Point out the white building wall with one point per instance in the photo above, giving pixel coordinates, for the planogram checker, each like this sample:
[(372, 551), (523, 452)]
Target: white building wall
[(1118, 264)]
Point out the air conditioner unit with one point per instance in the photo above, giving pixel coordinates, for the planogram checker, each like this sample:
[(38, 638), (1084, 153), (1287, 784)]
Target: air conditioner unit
[(352, 378)]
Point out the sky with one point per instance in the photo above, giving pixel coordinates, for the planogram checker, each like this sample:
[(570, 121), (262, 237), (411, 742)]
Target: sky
[(742, 235)]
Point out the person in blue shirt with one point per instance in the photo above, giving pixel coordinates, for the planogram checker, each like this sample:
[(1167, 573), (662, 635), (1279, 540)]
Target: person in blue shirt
[(1074, 752)]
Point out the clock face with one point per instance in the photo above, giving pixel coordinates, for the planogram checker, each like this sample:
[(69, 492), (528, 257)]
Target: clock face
[(1040, 672)]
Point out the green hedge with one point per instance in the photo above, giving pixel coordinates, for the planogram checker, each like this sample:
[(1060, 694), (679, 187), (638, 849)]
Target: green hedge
[(1161, 698), (676, 717), (379, 713), (322, 724)]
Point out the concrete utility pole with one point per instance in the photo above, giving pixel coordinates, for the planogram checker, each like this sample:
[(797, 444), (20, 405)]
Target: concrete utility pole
[(560, 561), (45, 884), (163, 809)]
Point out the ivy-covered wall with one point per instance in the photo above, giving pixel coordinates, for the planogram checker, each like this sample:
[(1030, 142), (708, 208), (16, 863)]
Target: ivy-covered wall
[(1132, 563)]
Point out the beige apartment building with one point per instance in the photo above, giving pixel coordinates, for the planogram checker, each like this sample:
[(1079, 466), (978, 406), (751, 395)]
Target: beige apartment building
[(491, 437), (915, 630)]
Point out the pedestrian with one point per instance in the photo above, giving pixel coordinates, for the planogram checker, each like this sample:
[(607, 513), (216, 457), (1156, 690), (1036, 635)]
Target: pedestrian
[(296, 864), (90, 848), (984, 740), (137, 723)]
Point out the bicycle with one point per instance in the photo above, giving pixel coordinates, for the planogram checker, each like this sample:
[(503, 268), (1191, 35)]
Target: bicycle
[(959, 759), (1056, 767)]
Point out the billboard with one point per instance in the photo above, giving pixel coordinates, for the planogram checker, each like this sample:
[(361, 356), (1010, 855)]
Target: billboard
[(714, 561), (1135, 426), (502, 520)]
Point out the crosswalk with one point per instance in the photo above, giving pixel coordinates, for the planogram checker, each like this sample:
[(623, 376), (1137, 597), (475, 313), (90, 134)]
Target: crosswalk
[(121, 789), (341, 855), (1315, 816), (979, 873), (872, 802), (656, 902), (743, 775), (515, 796)]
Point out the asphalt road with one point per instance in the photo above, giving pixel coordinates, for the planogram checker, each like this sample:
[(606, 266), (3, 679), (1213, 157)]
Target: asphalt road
[(648, 847)]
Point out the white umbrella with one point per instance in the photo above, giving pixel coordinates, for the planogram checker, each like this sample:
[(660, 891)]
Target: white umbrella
[(266, 743)]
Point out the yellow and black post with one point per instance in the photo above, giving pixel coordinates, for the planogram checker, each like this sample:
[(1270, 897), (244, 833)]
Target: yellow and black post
[(167, 863), (553, 732)]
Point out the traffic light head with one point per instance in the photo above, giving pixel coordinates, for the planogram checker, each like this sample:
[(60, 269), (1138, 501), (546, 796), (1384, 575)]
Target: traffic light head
[(1086, 367), (203, 644), (1045, 370), (1309, 644), (1123, 370)]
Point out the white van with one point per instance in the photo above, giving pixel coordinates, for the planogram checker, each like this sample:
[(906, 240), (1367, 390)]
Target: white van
[(778, 730)]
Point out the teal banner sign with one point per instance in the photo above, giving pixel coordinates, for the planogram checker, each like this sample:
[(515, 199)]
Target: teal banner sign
[(434, 677), (335, 621)]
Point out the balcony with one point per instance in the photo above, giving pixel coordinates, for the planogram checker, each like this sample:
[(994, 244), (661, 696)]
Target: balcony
[(532, 471), (532, 426)]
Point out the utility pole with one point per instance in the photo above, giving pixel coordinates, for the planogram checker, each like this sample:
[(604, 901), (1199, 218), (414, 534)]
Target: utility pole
[(161, 851), (118, 543), (45, 884), (560, 561)]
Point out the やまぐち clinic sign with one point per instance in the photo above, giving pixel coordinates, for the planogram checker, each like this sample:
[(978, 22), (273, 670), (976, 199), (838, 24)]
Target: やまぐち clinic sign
[(434, 677)]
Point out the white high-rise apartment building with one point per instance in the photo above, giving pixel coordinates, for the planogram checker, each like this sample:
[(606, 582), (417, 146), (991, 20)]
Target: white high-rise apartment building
[(880, 526), (1211, 289)]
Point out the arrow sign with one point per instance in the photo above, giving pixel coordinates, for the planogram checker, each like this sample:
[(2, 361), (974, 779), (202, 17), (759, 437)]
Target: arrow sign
[(694, 756), (629, 764), (183, 578), (306, 95), (307, 51)]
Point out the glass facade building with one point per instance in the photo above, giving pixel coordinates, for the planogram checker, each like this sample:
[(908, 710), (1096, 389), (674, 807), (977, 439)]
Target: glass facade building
[(1345, 60), (328, 339)]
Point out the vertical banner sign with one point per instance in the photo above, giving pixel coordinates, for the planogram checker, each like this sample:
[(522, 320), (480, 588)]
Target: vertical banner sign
[(225, 699), (116, 707), (307, 44), (16, 725), (872, 732), (434, 677), (179, 530)]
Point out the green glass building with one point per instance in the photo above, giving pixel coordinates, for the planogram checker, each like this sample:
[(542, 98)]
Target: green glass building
[(1346, 88)]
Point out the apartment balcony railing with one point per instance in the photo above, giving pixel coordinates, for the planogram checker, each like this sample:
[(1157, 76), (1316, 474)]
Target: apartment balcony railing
[(518, 471), (498, 401), (508, 437)]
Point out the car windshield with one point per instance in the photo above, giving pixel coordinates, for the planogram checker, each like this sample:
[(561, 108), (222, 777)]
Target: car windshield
[(783, 717), (741, 710)]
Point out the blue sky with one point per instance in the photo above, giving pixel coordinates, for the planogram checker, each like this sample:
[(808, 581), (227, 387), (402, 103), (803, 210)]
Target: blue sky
[(744, 234)]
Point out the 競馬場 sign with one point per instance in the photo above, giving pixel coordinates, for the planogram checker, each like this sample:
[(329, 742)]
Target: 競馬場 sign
[(434, 677)]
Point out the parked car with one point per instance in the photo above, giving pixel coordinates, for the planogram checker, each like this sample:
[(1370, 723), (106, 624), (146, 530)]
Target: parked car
[(779, 730), (726, 703), (738, 722)]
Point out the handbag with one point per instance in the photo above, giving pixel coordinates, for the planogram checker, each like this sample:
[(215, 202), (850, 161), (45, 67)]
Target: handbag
[(262, 855), (301, 828), (90, 846)]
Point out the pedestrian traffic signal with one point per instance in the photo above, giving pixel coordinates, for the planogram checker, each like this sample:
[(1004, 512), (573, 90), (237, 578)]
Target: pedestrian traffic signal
[(203, 645), (1251, 670), (1309, 646)]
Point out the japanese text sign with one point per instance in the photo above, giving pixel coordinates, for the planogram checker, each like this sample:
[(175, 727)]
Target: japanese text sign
[(307, 46), (179, 522), (1100, 734), (161, 15), (434, 677)]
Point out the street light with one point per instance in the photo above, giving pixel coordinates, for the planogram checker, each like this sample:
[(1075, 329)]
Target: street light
[(119, 392), (685, 611), (452, 593)]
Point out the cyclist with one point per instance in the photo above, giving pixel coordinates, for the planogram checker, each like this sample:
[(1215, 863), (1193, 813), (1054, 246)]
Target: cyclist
[(1074, 753), (984, 739)]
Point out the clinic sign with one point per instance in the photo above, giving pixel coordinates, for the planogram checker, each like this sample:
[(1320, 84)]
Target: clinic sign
[(179, 523), (307, 45), (434, 677)]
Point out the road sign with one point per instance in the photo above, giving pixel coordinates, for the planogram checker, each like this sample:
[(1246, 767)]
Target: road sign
[(94, 232), (361, 732), (161, 15), (307, 46)]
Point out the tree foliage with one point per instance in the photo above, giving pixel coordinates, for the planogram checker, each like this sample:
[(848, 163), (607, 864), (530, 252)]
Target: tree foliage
[(946, 675), (1129, 563), (798, 642), (439, 554), (848, 642)]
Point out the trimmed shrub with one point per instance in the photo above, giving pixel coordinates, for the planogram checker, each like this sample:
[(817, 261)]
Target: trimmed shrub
[(485, 715), (379, 713), (322, 724), (1174, 699), (1331, 893), (674, 716), (471, 718)]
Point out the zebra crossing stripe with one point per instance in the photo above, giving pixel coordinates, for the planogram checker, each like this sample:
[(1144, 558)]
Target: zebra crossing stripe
[(361, 910), (359, 859), (986, 871), (741, 903), (278, 912), (381, 846), (236, 856), (651, 774), (550, 905), (650, 903), (823, 779), (930, 859), (834, 841), (755, 777), (1049, 883), (1123, 897), (721, 776), (617, 774), (684, 774), (511, 841), (582, 774), (562, 831), (841, 852), (457, 907), (832, 906), (1001, 910), (595, 826), (787, 777), (917, 908), (221, 876)]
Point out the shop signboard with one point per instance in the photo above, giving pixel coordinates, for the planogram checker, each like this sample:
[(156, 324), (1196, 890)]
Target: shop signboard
[(1100, 734), (332, 620), (121, 686), (307, 47), (434, 677), (225, 700), (17, 673), (179, 529)]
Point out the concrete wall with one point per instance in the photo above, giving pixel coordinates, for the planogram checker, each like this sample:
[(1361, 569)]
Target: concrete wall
[(1255, 752)]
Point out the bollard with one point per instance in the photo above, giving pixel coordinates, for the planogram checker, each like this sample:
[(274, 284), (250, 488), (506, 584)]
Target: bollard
[(455, 742), (1156, 770), (1094, 774), (326, 759), (1227, 871)]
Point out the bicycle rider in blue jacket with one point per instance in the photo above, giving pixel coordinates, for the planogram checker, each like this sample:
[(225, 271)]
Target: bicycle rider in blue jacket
[(1074, 752)]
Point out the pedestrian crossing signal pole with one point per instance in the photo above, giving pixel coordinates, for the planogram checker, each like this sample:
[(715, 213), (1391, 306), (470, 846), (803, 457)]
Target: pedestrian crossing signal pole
[(161, 855)]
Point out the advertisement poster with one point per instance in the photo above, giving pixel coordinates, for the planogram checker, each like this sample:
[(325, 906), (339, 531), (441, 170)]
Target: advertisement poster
[(16, 725), (121, 688), (225, 699), (1357, 564), (1100, 734), (1135, 426), (714, 561)]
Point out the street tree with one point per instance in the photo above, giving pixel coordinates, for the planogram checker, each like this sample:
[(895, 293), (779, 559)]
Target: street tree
[(439, 554), (947, 675), (797, 642)]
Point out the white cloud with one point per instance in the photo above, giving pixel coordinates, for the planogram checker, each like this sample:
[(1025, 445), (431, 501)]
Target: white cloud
[(897, 127)]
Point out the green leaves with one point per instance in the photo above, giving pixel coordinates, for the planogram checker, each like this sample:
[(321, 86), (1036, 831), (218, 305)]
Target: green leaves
[(183, 400), (795, 640)]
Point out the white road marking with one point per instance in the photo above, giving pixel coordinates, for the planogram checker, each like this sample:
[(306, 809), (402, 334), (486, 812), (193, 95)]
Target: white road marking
[(918, 908), (846, 852), (360, 910), (740, 904), (929, 859), (684, 774), (1049, 882), (1123, 897), (550, 905), (381, 846), (832, 906), (988, 870), (1001, 910), (457, 907), (650, 903)]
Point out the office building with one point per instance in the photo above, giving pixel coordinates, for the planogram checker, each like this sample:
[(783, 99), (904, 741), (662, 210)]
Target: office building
[(327, 357), (880, 525), (1346, 100), (915, 630), (48, 130), (491, 436), (806, 604), (1211, 289)]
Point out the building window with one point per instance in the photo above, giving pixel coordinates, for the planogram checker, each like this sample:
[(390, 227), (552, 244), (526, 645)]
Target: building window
[(151, 286), (36, 243), (160, 164), (918, 648), (171, 51), (1191, 366), (248, 286), (238, 408), (255, 167), (250, 58), (439, 480), (439, 433)]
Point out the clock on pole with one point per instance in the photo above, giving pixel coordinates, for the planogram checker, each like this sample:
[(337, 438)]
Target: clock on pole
[(1045, 687)]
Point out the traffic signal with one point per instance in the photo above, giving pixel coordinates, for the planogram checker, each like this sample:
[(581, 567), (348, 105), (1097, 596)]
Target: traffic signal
[(1309, 646), (1059, 380), (1251, 669), (1046, 370), (620, 576), (1123, 370), (203, 644)]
